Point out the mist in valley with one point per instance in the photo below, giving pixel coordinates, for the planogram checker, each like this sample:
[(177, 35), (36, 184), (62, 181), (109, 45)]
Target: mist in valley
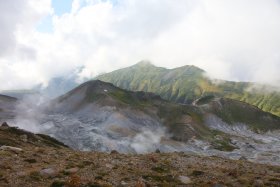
[(107, 128)]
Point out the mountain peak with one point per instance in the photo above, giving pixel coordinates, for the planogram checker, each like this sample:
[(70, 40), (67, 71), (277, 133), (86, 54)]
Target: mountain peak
[(97, 86), (144, 63), (190, 68)]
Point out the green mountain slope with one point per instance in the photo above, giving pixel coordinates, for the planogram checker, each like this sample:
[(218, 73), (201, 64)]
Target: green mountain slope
[(188, 83)]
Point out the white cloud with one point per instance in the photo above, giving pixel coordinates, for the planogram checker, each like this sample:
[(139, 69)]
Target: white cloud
[(18, 56), (237, 40)]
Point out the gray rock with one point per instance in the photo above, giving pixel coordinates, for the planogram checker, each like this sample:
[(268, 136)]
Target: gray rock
[(10, 148), (48, 172), (185, 179), (109, 166), (258, 183), (124, 183), (242, 158), (71, 170), (21, 174), (23, 137)]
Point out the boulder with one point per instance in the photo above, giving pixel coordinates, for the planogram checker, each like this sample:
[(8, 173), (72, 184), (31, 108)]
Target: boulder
[(48, 172), (185, 179), (10, 148), (23, 137), (4, 124), (71, 170)]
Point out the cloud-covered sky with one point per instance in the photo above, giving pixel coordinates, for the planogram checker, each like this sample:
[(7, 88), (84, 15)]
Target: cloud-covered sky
[(230, 39)]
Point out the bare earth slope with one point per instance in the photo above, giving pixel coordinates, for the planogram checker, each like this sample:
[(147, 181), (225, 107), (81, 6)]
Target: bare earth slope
[(36, 160)]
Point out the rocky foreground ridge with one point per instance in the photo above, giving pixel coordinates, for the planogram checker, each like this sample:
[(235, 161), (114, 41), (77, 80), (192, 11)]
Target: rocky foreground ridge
[(28, 159)]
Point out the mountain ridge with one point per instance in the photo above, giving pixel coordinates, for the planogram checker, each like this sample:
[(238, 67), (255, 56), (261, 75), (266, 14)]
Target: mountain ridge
[(188, 83)]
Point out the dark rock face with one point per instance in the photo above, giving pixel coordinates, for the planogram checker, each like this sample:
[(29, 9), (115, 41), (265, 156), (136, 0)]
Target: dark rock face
[(13, 136), (4, 124)]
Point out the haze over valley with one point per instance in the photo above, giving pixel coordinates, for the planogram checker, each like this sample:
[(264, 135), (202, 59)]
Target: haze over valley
[(97, 116)]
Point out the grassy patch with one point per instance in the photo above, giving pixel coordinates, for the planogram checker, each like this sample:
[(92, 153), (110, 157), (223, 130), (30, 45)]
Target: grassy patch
[(205, 99), (51, 141), (197, 173), (8, 142), (221, 143), (160, 169), (58, 184), (124, 97), (92, 96), (35, 175), (30, 160)]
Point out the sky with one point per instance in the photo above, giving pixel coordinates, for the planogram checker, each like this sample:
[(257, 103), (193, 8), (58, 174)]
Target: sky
[(231, 39)]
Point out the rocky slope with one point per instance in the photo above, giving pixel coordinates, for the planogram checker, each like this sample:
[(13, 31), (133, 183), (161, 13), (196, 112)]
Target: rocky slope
[(99, 116), (186, 84), (28, 159)]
